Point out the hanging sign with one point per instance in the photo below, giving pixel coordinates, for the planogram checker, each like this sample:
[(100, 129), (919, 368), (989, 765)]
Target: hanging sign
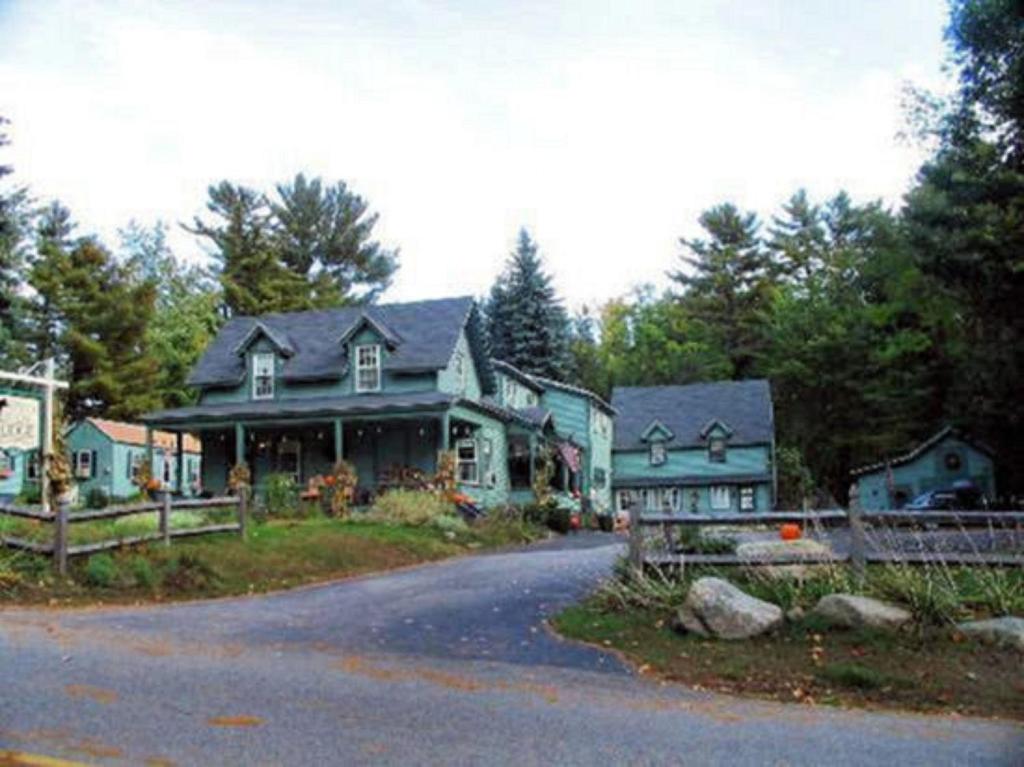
[(19, 422)]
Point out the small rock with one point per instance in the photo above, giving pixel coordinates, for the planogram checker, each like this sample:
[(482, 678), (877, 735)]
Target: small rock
[(1007, 631), (795, 614), (790, 552), (725, 611), (861, 612)]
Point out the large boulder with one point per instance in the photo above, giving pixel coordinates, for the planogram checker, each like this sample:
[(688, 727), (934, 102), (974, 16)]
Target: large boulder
[(861, 612), (1007, 631), (714, 607), (793, 553)]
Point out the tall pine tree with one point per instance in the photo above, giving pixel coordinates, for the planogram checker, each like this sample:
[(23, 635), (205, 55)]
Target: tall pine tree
[(527, 323), (14, 228)]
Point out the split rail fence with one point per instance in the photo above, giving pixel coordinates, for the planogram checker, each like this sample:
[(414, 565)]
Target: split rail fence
[(872, 537), (60, 548)]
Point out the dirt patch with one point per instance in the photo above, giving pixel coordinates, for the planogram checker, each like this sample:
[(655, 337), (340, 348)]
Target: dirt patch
[(235, 721), (98, 694)]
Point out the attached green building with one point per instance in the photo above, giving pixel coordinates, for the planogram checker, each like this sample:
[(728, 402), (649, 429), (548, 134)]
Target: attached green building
[(941, 462), (386, 387), (108, 455), (700, 448)]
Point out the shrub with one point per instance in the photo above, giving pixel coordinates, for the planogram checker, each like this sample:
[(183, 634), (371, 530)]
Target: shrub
[(97, 498), (142, 572), (101, 570), (187, 572), (536, 513), (560, 520), (449, 523), (282, 497), (929, 592), (31, 495), (408, 507)]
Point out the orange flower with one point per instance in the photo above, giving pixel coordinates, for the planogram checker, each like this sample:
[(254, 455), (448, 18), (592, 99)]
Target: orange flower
[(329, 480)]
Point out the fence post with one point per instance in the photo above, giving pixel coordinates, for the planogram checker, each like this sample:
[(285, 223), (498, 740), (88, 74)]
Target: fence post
[(636, 535), (857, 538), (165, 518), (60, 537), (243, 500)]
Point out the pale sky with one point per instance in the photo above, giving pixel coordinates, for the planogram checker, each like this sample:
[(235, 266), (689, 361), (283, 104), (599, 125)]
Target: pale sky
[(604, 127)]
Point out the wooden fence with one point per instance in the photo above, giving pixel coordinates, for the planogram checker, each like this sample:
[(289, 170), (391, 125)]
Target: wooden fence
[(60, 548), (862, 527)]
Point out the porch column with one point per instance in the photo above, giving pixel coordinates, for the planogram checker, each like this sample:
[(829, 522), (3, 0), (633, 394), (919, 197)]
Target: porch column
[(179, 446), (239, 444), (339, 440), (446, 428), (149, 449), (533, 458)]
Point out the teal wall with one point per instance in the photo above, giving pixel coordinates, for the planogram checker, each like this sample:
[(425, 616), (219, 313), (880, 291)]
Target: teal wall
[(600, 458), (928, 472), (571, 412), (448, 379), (699, 498), (493, 488), (512, 394)]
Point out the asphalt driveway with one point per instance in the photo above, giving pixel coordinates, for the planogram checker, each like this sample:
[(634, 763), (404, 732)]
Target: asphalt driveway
[(442, 664)]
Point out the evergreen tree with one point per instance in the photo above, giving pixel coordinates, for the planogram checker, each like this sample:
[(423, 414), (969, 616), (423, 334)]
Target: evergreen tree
[(14, 226), (248, 267), (724, 284), (325, 235), (527, 323), (587, 367), (45, 325)]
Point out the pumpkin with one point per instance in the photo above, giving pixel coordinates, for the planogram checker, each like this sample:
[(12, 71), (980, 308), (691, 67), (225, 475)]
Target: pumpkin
[(153, 484), (575, 522), (790, 532)]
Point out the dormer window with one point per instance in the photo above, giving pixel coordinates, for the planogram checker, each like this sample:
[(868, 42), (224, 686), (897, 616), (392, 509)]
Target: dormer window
[(263, 376), (657, 453), (716, 449), (368, 368)]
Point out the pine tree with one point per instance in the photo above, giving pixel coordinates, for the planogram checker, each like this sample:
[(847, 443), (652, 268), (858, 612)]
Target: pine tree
[(14, 226), (325, 235), (527, 323), (726, 280), (251, 275)]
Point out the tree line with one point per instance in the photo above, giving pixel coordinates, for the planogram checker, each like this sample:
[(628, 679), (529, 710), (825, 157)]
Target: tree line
[(874, 325)]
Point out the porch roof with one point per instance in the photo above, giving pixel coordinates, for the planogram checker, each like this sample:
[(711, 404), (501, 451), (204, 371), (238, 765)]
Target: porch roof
[(355, 404)]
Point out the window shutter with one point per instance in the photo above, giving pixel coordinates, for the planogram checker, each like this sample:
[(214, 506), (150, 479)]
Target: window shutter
[(92, 463)]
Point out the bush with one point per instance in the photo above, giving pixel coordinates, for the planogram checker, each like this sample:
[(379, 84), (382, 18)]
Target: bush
[(142, 572), (101, 570), (97, 498), (408, 507), (536, 513), (282, 497), (449, 523), (606, 522), (930, 593), (560, 520), (187, 572), (31, 495)]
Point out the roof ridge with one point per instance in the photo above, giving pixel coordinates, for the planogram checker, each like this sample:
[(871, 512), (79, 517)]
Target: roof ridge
[(353, 307)]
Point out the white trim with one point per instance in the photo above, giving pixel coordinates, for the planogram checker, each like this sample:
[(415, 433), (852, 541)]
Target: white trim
[(257, 359), (362, 367), (473, 462), (719, 491), (80, 472)]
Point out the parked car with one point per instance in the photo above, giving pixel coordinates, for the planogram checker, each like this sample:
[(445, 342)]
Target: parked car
[(961, 497)]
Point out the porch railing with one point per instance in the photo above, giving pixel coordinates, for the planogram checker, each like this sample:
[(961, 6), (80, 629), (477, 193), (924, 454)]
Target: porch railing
[(59, 544)]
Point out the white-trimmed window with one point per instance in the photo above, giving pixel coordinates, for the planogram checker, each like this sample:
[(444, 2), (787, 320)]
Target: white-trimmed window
[(263, 376), (622, 500), (33, 469), (721, 497), (469, 468), (716, 449), (657, 453), (134, 464), (368, 368), (748, 498), (83, 464)]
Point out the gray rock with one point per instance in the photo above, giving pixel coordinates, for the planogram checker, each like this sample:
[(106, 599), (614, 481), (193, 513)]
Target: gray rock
[(785, 551), (720, 609), (861, 612), (687, 622), (1007, 631)]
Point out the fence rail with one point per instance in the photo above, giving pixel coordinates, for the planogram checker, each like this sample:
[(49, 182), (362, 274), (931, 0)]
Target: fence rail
[(859, 524), (60, 548)]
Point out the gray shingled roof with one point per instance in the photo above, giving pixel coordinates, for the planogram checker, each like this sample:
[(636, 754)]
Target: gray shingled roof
[(744, 406), (309, 406), (428, 331)]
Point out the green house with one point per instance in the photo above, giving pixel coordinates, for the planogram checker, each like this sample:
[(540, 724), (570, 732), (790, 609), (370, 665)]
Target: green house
[(386, 387), (21, 424), (701, 448), (942, 461), (108, 456)]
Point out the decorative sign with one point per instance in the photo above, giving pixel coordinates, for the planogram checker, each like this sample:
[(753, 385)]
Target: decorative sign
[(19, 423)]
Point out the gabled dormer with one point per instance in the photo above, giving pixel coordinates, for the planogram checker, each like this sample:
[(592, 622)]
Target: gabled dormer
[(368, 340), (716, 434), (262, 348), (656, 435)]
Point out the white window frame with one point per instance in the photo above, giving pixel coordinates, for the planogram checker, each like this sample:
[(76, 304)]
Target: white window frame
[(370, 365), (658, 455), (748, 491), (290, 447), (469, 463), (33, 466), (83, 469), (622, 500), (716, 493), (259, 376), (723, 457), (135, 459)]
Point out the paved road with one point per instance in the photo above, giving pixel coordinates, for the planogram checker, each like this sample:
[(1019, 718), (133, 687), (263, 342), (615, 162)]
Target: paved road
[(441, 664)]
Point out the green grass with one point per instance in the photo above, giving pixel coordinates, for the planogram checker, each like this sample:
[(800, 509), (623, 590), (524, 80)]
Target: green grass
[(275, 555), (807, 662)]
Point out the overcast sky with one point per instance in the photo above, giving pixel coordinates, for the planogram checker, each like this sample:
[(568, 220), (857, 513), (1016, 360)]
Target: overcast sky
[(604, 127)]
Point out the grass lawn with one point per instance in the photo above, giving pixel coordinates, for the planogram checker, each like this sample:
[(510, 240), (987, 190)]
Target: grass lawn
[(809, 663), (276, 555)]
